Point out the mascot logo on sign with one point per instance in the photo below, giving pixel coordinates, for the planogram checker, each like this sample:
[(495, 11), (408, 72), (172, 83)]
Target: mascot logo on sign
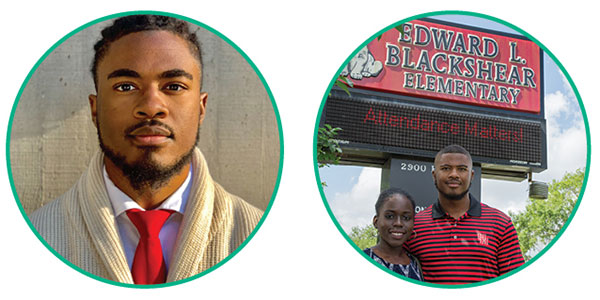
[(363, 65)]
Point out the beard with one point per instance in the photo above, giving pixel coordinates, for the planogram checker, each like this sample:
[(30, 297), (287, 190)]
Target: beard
[(146, 172), (452, 196)]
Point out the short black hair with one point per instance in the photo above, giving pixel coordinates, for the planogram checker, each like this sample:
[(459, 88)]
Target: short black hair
[(453, 149), (136, 23), (389, 193)]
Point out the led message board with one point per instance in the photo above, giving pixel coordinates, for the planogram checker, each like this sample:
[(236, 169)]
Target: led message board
[(435, 60), (498, 140)]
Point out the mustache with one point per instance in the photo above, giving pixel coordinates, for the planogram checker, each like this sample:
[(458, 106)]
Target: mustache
[(150, 123)]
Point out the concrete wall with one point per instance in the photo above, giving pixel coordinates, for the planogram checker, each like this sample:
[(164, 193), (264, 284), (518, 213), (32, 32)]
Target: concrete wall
[(53, 138)]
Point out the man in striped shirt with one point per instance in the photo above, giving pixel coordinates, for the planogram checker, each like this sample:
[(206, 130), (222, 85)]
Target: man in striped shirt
[(458, 239)]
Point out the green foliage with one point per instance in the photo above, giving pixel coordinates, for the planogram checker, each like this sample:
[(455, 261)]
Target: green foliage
[(343, 83), (543, 219), (328, 148), (364, 237)]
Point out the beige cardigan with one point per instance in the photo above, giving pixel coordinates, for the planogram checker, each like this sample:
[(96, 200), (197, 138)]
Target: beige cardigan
[(81, 227)]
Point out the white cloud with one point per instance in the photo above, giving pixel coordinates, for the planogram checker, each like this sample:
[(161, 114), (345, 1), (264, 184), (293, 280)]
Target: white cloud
[(567, 143), (567, 151), (505, 195), (567, 87), (556, 105), (357, 206)]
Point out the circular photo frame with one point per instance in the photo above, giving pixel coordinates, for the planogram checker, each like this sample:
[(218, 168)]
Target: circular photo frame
[(412, 96), (52, 137)]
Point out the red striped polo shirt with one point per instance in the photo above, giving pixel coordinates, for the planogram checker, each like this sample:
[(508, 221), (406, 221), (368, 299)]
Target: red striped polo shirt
[(480, 245)]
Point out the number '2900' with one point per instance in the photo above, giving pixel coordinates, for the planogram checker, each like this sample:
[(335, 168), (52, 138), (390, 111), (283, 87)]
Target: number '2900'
[(413, 167)]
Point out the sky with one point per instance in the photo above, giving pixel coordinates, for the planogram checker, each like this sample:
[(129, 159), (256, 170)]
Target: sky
[(351, 191)]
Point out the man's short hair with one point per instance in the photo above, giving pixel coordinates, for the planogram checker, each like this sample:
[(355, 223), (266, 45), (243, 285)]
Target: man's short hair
[(453, 149), (136, 23)]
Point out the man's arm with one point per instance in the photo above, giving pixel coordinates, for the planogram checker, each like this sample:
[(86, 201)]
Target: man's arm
[(510, 256)]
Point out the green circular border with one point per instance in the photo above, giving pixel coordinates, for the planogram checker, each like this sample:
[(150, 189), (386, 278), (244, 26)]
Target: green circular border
[(575, 91), (281, 150)]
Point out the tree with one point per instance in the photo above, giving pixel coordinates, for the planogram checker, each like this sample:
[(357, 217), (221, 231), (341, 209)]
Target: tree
[(343, 83), (328, 148), (543, 219), (364, 237)]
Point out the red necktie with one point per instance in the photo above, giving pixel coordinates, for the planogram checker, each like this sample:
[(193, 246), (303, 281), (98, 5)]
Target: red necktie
[(148, 263)]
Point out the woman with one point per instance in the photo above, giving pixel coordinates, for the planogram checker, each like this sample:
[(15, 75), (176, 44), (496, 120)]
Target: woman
[(394, 220)]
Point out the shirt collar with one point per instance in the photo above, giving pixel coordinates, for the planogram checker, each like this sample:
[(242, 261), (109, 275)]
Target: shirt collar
[(121, 202), (438, 212)]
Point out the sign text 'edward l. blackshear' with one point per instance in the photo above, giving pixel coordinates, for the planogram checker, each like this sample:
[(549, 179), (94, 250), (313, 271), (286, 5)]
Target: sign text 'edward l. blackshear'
[(453, 64)]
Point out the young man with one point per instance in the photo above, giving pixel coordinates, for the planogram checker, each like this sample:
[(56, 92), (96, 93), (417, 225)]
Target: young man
[(147, 210), (459, 239)]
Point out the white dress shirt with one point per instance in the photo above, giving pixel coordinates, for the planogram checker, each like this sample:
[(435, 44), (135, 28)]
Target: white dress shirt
[(127, 231)]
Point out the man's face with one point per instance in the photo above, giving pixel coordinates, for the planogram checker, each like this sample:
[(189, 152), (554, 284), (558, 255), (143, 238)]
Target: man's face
[(149, 105), (452, 175)]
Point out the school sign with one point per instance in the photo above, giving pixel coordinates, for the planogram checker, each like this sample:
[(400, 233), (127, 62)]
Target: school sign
[(426, 84)]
